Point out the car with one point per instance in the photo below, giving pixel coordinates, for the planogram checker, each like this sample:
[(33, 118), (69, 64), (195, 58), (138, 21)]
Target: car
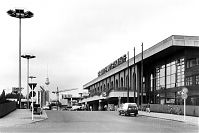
[(128, 108), (54, 108), (46, 108), (76, 108), (68, 108)]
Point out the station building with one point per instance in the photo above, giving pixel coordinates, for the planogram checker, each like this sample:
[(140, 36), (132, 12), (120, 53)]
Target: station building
[(156, 76)]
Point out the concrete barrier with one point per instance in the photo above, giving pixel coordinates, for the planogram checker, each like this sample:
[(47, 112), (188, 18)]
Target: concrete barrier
[(6, 108)]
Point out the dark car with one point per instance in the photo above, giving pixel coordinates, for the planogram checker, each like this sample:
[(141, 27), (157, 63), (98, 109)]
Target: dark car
[(128, 108)]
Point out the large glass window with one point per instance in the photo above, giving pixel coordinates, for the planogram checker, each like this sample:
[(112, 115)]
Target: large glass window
[(197, 79), (157, 78), (172, 72), (144, 84), (160, 77), (151, 82), (180, 72)]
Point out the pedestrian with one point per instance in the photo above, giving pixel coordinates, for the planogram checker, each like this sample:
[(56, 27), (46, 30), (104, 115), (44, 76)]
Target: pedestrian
[(148, 108), (91, 108), (105, 107), (115, 108)]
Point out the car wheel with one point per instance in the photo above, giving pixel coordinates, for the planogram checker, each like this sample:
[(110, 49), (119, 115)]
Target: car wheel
[(119, 113), (135, 114)]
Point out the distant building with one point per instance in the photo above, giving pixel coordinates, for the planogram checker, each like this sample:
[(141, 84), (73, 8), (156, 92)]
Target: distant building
[(69, 100), (43, 97)]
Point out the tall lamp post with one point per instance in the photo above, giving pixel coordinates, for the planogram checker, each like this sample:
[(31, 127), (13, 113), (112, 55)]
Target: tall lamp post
[(27, 56), (21, 14)]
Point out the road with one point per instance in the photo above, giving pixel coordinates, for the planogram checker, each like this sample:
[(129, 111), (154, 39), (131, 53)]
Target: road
[(96, 121)]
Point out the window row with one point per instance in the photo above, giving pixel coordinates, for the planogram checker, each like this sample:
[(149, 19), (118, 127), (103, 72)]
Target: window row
[(122, 84), (192, 62), (192, 80)]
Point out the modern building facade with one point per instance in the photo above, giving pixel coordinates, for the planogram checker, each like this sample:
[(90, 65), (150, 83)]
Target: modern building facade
[(156, 76)]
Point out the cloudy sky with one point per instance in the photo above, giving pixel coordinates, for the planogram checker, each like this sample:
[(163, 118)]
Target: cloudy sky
[(74, 39)]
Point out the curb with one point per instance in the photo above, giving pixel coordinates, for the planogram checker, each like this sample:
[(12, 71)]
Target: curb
[(160, 117), (187, 122)]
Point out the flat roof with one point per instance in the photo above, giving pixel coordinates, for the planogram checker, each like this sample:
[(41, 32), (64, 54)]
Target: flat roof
[(174, 40)]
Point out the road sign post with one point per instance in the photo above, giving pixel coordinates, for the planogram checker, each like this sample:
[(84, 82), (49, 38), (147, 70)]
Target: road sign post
[(184, 96), (32, 86)]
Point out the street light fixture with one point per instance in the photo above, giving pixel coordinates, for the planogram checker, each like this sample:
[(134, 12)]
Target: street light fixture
[(31, 77), (21, 14), (27, 56)]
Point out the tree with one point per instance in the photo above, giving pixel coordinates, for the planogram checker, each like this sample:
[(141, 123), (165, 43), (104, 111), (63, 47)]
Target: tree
[(3, 97), (14, 95)]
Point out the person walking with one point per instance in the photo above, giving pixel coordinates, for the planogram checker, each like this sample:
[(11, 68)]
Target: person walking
[(105, 107), (91, 109), (148, 108)]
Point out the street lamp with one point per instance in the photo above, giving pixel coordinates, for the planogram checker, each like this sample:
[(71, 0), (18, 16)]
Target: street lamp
[(27, 56), (31, 77), (21, 14)]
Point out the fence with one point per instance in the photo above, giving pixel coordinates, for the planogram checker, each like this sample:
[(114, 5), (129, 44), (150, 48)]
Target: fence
[(175, 109)]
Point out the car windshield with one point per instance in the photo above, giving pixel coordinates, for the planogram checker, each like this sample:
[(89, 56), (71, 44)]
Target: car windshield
[(132, 105)]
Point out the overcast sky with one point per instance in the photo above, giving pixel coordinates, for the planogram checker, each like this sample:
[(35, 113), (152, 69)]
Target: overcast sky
[(74, 39)]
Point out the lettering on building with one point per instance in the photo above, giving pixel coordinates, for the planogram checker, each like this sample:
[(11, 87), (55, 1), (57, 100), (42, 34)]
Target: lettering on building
[(113, 65)]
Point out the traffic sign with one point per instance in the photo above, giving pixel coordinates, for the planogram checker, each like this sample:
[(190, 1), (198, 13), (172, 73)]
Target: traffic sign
[(184, 89), (32, 85), (184, 96), (34, 94)]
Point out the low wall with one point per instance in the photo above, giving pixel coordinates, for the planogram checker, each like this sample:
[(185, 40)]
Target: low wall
[(6, 108), (190, 110)]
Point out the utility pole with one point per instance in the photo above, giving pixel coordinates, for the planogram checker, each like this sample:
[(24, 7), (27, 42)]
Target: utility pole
[(128, 78), (134, 75), (142, 77)]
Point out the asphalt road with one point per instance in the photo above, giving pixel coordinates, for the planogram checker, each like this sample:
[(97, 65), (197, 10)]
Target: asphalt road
[(93, 121)]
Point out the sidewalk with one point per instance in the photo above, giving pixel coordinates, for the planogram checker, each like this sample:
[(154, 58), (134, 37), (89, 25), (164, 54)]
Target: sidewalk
[(188, 119), (21, 116)]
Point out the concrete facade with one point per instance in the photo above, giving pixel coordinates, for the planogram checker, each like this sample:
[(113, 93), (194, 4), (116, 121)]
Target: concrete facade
[(168, 66)]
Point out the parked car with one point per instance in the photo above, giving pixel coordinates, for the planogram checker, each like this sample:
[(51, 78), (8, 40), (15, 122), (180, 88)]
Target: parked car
[(128, 108), (54, 108), (46, 107), (76, 108), (68, 108)]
